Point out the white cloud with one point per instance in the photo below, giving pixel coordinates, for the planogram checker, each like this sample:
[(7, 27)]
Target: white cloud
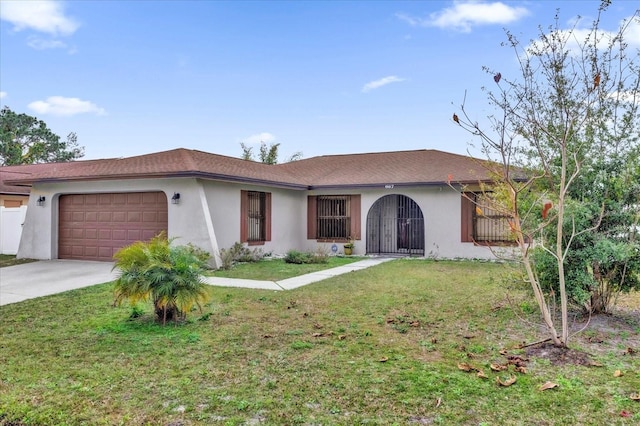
[(464, 15), (258, 138), (575, 38), (45, 16), (3, 95), (41, 44), (61, 106), (381, 82)]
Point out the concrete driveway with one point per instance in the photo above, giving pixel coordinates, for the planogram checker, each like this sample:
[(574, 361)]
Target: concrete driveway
[(45, 277)]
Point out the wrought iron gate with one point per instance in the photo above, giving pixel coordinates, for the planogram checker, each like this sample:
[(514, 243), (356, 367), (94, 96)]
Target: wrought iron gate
[(395, 225)]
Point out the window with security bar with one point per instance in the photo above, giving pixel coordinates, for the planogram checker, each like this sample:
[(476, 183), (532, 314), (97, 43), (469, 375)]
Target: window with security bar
[(489, 224), (256, 214), (333, 217)]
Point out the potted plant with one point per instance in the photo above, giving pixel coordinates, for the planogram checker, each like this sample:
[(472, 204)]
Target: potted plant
[(348, 247)]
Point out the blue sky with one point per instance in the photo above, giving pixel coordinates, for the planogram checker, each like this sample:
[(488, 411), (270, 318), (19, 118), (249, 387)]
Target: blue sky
[(134, 77)]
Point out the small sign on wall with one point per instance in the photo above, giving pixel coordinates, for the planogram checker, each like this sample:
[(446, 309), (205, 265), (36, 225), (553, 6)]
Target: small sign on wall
[(388, 186)]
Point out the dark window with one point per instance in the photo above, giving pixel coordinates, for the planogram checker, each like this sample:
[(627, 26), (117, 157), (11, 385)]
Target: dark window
[(255, 219), (482, 221), (333, 216)]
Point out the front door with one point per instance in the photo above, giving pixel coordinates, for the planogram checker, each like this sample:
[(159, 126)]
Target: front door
[(395, 225)]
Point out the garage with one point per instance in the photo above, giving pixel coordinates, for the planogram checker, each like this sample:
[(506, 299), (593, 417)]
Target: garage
[(95, 226)]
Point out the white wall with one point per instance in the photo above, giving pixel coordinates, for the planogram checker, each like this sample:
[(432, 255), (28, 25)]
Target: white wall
[(441, 208), (186, 220), (208, 216), (11, 220), (288, 209)]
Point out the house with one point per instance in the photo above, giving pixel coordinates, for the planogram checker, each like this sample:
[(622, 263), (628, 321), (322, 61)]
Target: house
[(388, 203)]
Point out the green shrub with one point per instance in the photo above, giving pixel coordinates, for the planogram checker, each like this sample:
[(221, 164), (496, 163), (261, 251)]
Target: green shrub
[(239, 253), (169, 276), (297, 257)]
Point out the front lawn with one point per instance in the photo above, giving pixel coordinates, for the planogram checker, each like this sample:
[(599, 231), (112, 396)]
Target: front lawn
[(269, 269), (384, 345)]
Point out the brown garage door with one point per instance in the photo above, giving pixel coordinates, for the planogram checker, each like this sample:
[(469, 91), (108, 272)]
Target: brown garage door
[(95, 226)]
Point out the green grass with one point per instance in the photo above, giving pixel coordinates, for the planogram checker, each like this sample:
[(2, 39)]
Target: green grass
[(278, 269), (378, 346), (10, 260)]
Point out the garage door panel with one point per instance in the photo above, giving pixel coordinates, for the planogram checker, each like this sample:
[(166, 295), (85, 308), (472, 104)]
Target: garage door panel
[(95, 226)]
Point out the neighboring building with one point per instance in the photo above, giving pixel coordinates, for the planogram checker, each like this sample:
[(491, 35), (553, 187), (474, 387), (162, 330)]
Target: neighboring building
[(404, 203)]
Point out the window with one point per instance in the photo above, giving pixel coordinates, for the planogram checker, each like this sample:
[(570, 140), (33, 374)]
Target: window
[(481, 223), (255, 219), (333, 217)]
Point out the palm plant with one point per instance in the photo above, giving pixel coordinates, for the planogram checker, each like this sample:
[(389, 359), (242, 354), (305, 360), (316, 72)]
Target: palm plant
[(169, 276)]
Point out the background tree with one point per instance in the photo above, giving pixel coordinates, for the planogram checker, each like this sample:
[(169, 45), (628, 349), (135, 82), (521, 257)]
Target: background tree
[(26, 140), (575, 100), (267, 154)]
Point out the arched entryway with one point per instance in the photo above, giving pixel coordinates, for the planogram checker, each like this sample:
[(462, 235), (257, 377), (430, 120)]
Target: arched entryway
[(395, 225)]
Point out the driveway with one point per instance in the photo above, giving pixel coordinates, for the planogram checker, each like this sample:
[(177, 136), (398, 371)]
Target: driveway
[(45, 277)]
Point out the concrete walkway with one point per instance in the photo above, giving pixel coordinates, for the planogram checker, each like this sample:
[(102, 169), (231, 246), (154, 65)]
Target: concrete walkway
[(299, 281), (46, 277)]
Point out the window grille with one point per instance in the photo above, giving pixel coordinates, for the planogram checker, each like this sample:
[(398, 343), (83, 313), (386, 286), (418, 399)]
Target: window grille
[(333, 218), (256, 216), (489, 224)]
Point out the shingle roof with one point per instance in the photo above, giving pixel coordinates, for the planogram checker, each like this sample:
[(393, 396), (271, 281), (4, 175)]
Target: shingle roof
[(420, 167)]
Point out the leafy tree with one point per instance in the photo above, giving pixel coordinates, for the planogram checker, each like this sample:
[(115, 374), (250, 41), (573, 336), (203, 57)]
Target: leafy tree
[(169, 276), (606, 261), (575, 100), (267, 154), (26, 140)]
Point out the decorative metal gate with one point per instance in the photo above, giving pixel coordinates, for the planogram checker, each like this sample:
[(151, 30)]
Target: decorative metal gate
[(395, 225)]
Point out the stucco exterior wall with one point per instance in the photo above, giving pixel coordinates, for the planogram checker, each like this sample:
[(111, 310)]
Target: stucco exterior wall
[(441, 208), (208, 216), (186, 220), (287, 225)]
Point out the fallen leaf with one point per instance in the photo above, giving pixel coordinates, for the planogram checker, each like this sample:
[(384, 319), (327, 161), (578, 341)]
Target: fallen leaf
[(635, 397), (317, 325), (503, 352), (625, 413), (498, 367), (630, 351), (466, 367), (548, 385), (521, 369), (469, 336), (618, 373), (438, 402), (267, 336), (342, 337), (383, 359), (594, 364), (415, 324), (507, 382), (434, 340), (470, 355), (482, 375), (317, 335)]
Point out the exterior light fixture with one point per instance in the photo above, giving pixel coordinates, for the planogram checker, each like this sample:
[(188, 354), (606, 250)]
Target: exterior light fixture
[(41, 200), (176, 198)]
